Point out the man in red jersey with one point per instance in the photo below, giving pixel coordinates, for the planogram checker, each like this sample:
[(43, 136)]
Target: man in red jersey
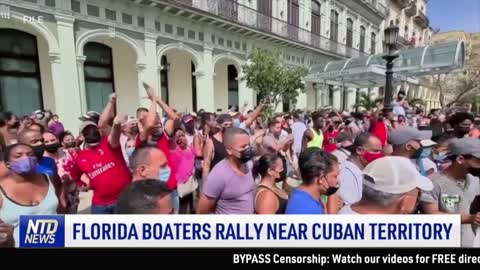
[(102, 161)]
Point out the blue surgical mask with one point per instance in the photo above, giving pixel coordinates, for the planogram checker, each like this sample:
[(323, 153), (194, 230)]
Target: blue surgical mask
[(165, 174), (24, 165), (440, 156), (426, 152), (130, 151), (236, 123)]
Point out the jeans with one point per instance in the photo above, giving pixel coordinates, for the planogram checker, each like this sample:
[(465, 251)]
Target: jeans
[(103, 209)]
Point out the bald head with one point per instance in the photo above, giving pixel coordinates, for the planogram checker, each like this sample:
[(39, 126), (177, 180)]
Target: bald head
[(146, 162), (231, 135), (30, 137)]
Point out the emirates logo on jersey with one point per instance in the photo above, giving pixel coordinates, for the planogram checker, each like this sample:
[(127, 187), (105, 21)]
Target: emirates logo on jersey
[(101, 152)]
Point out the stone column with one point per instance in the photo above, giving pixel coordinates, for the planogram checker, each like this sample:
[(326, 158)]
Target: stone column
[(205, 85), (65, 76), (81, 83)]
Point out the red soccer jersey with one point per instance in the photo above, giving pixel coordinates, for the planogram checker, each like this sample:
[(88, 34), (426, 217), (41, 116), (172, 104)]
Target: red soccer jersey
[(162, 144), (107, 170), (329, 141)]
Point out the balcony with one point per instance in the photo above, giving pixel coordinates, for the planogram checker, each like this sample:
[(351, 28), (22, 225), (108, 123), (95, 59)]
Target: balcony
[(376, 6), (411, 10), (404, 43), (421, 20), (401, 3), (373, 10), (243, 20)]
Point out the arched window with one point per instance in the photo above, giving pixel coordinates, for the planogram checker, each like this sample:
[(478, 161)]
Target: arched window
[(397, 22), (99, 83), (232, 75), (349, 32), (362, 38), (316, 17), (20, 87), (373, 43), (406, 32), (164, 78), (333, 25)]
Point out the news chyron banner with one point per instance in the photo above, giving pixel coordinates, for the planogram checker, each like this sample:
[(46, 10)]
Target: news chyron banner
[(227, 231)]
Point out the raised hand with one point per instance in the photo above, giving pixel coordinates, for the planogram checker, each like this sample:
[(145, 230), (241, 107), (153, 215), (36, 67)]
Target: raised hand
[(120, 119), (150, 92), (6, 235), (113, 98)]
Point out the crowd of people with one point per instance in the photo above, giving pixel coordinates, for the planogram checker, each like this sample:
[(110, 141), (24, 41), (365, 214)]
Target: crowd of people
[(385, 161)]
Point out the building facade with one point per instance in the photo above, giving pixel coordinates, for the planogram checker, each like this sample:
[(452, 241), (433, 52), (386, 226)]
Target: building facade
[(69, 55), (410, 16)]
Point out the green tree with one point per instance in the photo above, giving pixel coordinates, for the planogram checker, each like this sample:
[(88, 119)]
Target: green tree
[(366, 102), (272, 80)]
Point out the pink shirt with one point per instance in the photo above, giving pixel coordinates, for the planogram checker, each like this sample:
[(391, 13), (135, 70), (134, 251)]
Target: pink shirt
[(185, 161)]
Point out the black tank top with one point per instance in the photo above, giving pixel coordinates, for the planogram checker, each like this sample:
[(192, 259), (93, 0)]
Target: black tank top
[(282, 202), (220, 152)]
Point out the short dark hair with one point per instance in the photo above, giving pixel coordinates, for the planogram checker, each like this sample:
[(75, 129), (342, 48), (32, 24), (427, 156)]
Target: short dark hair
[(40, 126), (5, 117), (459, 117), (9, 149), (231, 133), (272, 122), (64, 134), (314, 162), (141, 155), (142, 109), (141, 197), (360, 140)]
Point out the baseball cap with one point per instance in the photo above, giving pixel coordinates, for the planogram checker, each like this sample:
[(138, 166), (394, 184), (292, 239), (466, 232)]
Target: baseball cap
[(90, 116), (187, 118), (395, 175), (86, 124), (403, 135), (464, 146)]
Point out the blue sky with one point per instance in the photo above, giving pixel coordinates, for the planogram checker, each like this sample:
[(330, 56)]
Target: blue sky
[(449, 15)]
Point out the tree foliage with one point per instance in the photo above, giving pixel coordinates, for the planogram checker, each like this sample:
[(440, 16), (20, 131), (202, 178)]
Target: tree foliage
[(366, 102), (271, 79), (456, 88)]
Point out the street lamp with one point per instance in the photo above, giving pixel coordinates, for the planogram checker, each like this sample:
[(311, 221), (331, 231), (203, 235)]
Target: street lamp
[(391, 37)]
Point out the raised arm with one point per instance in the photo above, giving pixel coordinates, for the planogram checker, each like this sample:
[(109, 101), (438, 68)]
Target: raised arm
[(108, 114), (116, 131), (254, 116), (172, 116), (149, 123)]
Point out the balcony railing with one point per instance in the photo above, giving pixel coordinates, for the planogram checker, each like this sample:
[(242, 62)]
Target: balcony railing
[(401, 3), (377, 6), (404, 43), (238, 13), (411, 10), (421, 19)]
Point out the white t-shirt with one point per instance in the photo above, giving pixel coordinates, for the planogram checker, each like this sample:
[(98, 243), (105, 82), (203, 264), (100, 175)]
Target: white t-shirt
[(298, 129), (351, 183), (347, 210)]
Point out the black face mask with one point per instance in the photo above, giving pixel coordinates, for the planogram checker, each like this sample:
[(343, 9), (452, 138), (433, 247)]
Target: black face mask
[(16, 125), (331, 190), (52, 148), (460, 132), (474, 171), (417, 153), (134, 130), (246, 155), (69, 145), (93, 137), (330, 129), (38, 151)]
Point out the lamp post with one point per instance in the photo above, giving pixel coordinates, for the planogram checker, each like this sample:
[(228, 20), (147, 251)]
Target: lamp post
[(391, 37)]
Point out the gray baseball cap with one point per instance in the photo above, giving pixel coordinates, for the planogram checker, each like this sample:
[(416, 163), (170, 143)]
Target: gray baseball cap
[(403, 135), (464, 146)]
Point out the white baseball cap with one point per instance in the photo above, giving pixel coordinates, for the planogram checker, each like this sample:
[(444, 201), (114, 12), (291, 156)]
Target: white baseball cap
[(395, 175)]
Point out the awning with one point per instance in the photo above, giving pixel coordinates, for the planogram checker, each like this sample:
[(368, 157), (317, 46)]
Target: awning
[(369, 71)]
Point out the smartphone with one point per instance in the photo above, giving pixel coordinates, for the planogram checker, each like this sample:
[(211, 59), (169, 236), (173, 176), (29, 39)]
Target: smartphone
[(146, 86)]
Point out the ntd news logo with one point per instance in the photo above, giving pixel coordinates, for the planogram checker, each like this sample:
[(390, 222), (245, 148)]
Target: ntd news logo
[(42, 231)]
